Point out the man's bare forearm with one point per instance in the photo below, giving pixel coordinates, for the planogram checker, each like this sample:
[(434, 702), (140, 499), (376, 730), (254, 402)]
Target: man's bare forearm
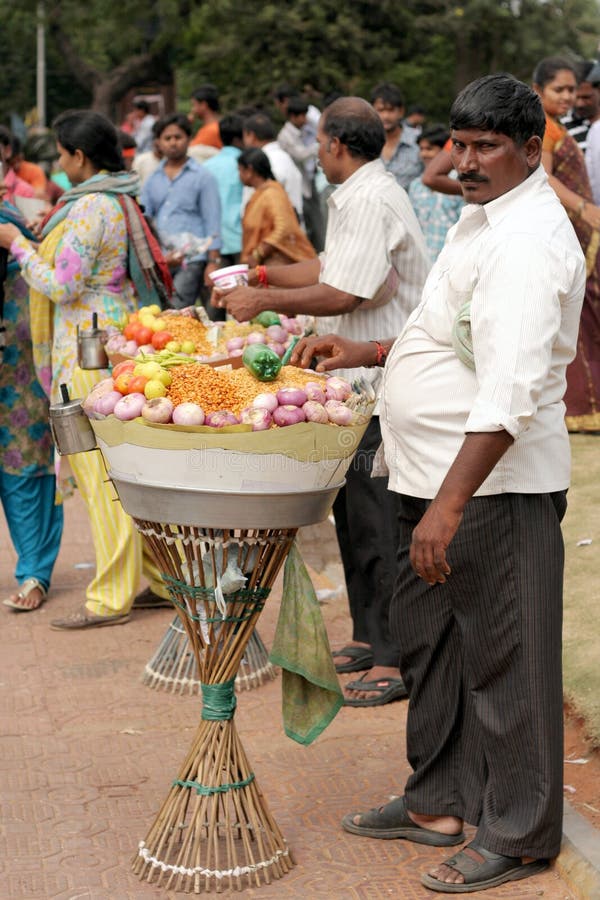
[(476, 459), (299, 274)]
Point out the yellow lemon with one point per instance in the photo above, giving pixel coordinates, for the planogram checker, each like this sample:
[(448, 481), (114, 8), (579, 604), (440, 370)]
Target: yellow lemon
[(154, 388)]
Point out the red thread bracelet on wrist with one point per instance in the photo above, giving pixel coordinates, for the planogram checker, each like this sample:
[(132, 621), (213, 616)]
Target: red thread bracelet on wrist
[(261, 274), (382, 353)]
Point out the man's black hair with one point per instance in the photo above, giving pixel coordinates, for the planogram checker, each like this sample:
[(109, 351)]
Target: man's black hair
[(502, 104), (5, 136), (388, 93), (297, 106), (285, 91), (209, 94), (356, 125), (416, 109), (437, 134), (173, 119), (261, 125), (143, 105), (127, 141), (230, 129), (583, 69)]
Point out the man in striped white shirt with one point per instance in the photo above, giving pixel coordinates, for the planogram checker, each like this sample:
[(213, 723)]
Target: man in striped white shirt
[(477, 448), (366, 283)]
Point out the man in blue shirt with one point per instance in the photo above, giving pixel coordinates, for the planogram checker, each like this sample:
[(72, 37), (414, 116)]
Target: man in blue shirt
[(182, 197), (400, 154), (225, 170)]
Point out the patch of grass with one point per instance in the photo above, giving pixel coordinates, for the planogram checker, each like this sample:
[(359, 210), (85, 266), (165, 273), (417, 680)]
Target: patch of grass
[(581, 631)]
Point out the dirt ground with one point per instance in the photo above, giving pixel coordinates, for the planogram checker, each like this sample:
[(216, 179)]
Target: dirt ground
[(582, 770)]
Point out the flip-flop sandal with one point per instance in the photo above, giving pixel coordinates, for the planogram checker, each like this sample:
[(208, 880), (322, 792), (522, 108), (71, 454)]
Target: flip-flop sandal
[(387, 689), (25, 589), (392, 821), (482, 869), (361, 659)]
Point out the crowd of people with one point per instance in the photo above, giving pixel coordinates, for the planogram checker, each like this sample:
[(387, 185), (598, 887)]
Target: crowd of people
[(450, 264)]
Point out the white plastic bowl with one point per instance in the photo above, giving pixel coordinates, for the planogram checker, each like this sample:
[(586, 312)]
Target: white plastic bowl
[(230, 276)]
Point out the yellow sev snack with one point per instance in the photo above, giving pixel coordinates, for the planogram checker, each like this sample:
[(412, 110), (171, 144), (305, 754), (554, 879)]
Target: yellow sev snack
[(186, 328), (215, 390)]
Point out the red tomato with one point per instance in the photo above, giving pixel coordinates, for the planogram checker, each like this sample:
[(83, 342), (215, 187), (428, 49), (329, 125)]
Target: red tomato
[(160, 339), (137, 384), (143, 335), (123, 381), (130, 330), (128, 365)]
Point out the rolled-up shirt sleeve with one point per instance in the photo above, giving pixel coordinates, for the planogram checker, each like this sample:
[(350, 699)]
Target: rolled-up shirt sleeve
[(515, 322)]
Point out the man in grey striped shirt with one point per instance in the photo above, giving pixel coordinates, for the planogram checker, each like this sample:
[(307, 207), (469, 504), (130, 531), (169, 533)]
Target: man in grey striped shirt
[(476, 444), (366, 283)]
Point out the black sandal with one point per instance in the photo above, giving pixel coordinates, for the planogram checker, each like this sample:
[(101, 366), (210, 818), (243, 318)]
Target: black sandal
[(392, 821), (361, 659), (482, 869)]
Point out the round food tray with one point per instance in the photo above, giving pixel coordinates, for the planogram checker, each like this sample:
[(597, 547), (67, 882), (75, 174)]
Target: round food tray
[(223, 509)]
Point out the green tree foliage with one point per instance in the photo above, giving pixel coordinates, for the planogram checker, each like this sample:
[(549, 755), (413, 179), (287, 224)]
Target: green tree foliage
[(97, 50), (431, 49)]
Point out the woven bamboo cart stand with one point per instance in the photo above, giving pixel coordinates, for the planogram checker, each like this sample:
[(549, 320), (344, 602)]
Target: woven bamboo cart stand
[(214, 831), (173, 667)]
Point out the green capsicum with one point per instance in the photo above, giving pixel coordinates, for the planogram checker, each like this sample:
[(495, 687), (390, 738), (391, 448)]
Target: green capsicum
[(261, 361), (266, 318)]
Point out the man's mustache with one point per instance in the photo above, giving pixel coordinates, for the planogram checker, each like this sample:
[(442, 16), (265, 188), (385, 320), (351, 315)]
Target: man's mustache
[(473, 176)]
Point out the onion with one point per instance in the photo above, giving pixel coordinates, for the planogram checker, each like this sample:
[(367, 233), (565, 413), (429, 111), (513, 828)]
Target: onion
[(338, 413), (147, 350), (115, 343), (235, 343), (129, 407), (337, 389), (292, 326), (235, 353), (288, 415), (315, 412), (256, 337), (291, 397), (99, 390), (277, 334), (314, 391), (159, 409), (129, 349), (259, 417), (188, 414), (265, 401), (220, 418), (279, 349), (105, 404)]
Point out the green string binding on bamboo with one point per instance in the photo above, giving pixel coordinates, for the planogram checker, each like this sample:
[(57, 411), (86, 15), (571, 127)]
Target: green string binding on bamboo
[(252, 598), (218, 701), (221, 789)]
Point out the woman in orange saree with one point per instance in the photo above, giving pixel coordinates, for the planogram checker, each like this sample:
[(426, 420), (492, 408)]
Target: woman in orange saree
[(271, 233), (555, 82)]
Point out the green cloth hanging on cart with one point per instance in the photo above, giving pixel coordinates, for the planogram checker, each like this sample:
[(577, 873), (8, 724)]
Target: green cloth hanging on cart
[(311, 693)]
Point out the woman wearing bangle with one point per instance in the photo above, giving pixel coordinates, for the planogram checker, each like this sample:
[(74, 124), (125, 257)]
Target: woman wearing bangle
[(555, 81), (271, 234)]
